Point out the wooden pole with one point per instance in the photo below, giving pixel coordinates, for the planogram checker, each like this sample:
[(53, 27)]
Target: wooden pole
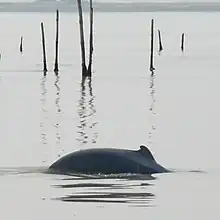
[(160, 42), (21, 45), (56, 69), (90, 40), (182, 42), (82, 42), (44, 49), (152, 46)]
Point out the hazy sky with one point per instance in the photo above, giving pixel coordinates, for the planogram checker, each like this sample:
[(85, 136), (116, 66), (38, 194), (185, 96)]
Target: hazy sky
[(161, 0), (125, 0)]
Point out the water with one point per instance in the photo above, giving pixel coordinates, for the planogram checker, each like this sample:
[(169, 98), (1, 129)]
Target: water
[(175, 113)]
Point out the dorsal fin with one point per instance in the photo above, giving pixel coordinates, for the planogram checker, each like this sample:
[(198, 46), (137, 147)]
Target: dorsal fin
[(146, 152)]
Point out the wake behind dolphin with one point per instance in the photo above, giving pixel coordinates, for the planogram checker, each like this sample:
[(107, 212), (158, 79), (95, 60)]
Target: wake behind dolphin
[(108, 161)]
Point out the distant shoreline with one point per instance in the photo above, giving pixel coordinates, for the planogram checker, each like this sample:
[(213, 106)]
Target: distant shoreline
[(48, 6)]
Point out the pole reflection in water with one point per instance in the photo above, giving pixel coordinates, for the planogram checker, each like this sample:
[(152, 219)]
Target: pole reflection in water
[(87, 112), (58, 109), (44, 112), (152, 110), (48, 120)]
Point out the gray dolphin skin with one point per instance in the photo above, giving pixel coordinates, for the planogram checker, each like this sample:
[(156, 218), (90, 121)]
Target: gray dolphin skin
[(108, 161)]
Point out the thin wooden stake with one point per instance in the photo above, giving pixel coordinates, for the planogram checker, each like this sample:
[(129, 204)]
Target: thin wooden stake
[(82, 42), (160, 42), (90, 40), (44, 49), (21, 45), (152, 46), (182, 42), (56, 69)]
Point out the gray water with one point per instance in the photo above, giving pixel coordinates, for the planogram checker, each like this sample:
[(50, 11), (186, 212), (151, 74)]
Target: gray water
[(175, 113)]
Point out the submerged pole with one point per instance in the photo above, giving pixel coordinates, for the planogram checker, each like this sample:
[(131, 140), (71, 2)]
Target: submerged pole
[(160, 42), (182, 42), (82, 42), (56, 69), (21, 45), (44, 49), (152, 46), (90, 39)]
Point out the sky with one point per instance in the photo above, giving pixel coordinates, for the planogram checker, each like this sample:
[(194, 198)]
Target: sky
[(125, 0)]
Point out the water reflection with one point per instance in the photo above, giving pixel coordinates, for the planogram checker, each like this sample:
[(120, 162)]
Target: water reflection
[(152, 109), (43, 100), (110, 197), (58, 109), (46, 115), (110, 176), (87, 111), (119, 190)]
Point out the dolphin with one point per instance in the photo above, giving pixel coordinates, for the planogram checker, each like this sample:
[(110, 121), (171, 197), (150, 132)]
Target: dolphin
[(108, 161)]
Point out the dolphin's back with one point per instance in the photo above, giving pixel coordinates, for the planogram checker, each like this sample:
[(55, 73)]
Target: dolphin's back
[(97, 161), (108, 161)]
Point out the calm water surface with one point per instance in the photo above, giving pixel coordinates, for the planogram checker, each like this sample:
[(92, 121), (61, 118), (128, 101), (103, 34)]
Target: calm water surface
[(175, 113)]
